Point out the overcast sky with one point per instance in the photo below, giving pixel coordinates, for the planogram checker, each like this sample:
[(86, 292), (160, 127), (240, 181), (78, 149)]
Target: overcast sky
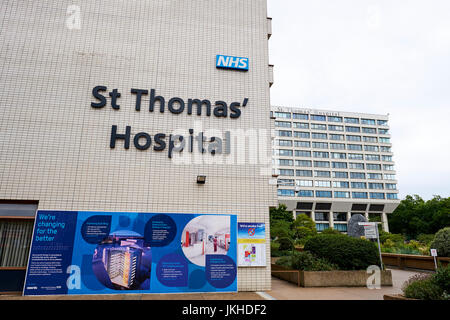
[(384, 57)]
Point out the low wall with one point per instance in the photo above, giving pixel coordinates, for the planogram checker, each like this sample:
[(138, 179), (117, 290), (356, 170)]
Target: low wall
[(405, 261), (328, 278)]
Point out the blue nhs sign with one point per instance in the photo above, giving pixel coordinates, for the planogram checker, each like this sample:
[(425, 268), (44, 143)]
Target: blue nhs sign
[(229, 62)]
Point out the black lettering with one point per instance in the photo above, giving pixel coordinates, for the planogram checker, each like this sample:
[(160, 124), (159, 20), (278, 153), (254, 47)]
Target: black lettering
[(97, 95), (148, 141), (153, 99), (221, 110), (139, 94), (199, 104), (161, 143), (172, 102), (114, 96), (115, 136), (235, 111)]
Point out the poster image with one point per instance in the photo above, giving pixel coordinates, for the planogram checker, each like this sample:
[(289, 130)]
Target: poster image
[(81, 252), (251, 244)]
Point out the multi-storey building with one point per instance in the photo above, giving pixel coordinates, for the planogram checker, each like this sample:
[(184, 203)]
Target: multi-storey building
[(330, 165)]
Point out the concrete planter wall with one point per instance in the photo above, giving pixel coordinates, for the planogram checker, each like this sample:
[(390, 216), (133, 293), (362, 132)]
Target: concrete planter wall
[(341, 278), (310, 279)]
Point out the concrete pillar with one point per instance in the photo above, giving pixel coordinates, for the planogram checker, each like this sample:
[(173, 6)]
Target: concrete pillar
[(384, 221), (313, 216), (366, 214), (349, 216), (331, 220)]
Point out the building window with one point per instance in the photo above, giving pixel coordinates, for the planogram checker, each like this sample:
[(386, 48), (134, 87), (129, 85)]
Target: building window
[(387, 158), (322, 184), (359, 195), (320, 145), (286, 115), (375, 186), (305, 193), (382, 122), (321, 216), (385, 149), (339, 165), (284, 152), (301, 125), (383, 131), (286, 193), (370, 139), (316, 135), (300, 116), (316, 126), (335, 128), (286, 182), (341, 184), (318, 117), (374, 176), (340, 175), (389, 176), (351, 120), (388, 167), (322, 174), (392, 196), (372, 157), (282, 124), (371, 148), (303, 173), (390, 186), (302, 144), (285, 143), (322, 226), (286, 172), (340, 216), (385, 140), (337, 146), (321, 164), (376, 195), (357, 175), (354, 147), (303, 163), (320, 154), (359, 185), (337, 137), (302, 153), (341, 194), (353, 138), (323, 194), (356, 165), (304, 183), (355, 156), (301, 134), (284, 133), (338, 155), (285, 162), (368, 121), (352, 129), (334, 119), (342, 227), (371, 166), (369, 130)]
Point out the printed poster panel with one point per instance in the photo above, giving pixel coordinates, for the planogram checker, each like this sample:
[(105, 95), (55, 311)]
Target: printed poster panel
[(251, 244), (77, 252)]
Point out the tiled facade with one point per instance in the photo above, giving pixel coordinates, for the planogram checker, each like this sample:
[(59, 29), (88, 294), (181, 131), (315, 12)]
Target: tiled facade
[(55, 147)]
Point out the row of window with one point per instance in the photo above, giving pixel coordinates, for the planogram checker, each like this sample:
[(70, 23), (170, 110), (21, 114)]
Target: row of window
[(332, 155), (337, 194), (336, 174), (330, 127), (302, 116), (335, 146), (337, 184), (324, 136), (332, 164)]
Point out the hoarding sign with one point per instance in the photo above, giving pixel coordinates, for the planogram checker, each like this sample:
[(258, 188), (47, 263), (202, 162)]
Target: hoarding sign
[(370, 230), (251, 244), (78, 252)]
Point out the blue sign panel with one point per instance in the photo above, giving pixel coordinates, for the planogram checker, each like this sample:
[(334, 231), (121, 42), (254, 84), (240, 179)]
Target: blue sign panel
[(229, 62), (81, 252)]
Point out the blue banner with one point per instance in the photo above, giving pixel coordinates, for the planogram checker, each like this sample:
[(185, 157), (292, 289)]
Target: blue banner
[(77, 252)]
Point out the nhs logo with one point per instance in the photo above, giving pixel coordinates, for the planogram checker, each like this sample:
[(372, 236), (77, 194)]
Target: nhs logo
[(229, 62)]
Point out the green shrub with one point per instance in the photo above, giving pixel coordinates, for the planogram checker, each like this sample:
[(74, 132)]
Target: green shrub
[(306, 261), (423, 289), (441, 242), (331, 231), (346, 252), (384, 236), (442, 278), (426, 239)]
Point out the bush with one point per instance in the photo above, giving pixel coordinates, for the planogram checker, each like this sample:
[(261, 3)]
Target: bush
[(441, 242), (331, 231), (429, 287), (384, 236), (426, 239), (306, 261), (346, 252)]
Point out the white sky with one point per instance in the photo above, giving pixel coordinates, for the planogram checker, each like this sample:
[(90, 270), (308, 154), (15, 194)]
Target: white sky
[(378, 57)]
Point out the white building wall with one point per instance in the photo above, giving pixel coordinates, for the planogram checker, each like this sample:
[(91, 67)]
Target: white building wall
[(55, 146)]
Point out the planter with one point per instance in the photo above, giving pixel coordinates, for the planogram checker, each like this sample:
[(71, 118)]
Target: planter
[(309, 279), (341, 278), (396, 297), (410, 261)]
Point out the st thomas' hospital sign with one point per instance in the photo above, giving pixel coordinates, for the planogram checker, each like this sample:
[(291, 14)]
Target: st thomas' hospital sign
[(161, 141)]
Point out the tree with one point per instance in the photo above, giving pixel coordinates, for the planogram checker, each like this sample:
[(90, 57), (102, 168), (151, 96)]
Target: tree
[(304, 227), (281, 213)]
